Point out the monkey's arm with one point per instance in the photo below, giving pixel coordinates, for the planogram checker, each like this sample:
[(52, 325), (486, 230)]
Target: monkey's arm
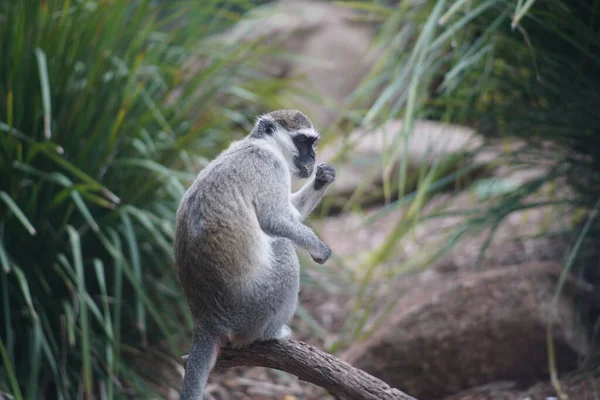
[(310, 195), (285, 223), (278, 217)]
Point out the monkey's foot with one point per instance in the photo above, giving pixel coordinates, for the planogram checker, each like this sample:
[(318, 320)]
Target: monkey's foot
[(284, 332)]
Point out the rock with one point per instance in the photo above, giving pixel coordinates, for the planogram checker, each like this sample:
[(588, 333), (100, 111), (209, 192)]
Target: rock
[(581, 386), (450, 335), (358, 157), (320, 44), (528, 234)]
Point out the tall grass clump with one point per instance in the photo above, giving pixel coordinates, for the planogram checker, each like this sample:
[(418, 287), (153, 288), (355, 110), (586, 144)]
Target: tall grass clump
[(520, 72), (526, 72), (101, 128)]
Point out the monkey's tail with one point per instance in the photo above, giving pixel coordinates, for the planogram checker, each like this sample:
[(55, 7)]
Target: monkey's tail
[(200, 362)]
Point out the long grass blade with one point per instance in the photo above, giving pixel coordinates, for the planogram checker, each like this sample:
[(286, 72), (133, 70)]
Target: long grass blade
[(45, 83), (74, 239), (17, 212), (6, 310), (81, 175), (134, 256), (520, 12), (35, 359), (24, 285), (4, 259), (12, 378), (113, 246), (108, 326), (451, 11)]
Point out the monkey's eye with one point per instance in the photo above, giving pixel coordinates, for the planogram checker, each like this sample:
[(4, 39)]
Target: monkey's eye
[(301, 139)]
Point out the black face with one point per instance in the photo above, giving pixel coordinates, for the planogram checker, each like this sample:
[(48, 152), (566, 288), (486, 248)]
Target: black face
[(305, 160)]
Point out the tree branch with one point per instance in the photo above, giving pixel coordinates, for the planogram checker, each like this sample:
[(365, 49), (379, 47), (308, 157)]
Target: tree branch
[(312, 365)]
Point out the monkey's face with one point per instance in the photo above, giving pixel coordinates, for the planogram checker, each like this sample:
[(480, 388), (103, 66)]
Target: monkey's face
[(304, 157)]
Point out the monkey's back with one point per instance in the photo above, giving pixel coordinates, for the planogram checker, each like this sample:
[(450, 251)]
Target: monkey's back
[(219, 245)]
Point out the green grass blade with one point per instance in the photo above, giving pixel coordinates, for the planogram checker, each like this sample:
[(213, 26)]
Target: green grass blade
[(50, 357), (574, 251), (152, 166), (6, 309), (134, 256), (460, 24), (83, 315), (70, 319), (81, 175), (137, 286), (146, 221), (78, 200), (22, 279), (35, 360), (12, 378), (451, 11), (520, 13), (45, 82), (108, 326), (114, 248), (17, 212), (4, 259)]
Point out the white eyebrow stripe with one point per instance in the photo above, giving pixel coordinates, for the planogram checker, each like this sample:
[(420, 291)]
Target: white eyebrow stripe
[(308, 132)]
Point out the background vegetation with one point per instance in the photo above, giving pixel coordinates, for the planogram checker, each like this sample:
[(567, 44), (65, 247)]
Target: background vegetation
[(519, 72), (102, 125), (98, 140)]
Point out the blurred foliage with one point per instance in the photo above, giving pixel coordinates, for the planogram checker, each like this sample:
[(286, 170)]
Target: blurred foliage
[(106, 112), (108, 107), (516, 71)]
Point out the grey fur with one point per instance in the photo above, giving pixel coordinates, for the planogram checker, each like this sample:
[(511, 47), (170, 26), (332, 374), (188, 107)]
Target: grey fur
[(236, 229), (291, 120)]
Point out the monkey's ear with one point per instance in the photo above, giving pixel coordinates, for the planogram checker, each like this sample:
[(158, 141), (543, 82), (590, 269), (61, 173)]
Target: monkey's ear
[(264, 127)]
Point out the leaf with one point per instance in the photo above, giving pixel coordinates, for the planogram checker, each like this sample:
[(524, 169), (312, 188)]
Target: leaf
[(108, 327), (83, 316), (12, 378), (4, 259), (17, 212), (134, 256), (520, 12), (138, 287), (44, 81), (451, 11), (152, 166), (80, 204), (81, 175), (35, 360), (22, 279)]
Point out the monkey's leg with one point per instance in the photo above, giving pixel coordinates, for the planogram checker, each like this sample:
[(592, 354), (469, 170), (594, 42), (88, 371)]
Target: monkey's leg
[(283, 295)]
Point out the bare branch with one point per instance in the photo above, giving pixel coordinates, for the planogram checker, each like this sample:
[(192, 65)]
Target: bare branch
[(312, 365)]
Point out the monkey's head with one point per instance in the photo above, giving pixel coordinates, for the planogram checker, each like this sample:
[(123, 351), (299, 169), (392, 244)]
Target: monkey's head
[(293, 134)]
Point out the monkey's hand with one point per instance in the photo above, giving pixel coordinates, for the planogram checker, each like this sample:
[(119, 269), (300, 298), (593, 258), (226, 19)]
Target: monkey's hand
[(324, 176), (322, 254)]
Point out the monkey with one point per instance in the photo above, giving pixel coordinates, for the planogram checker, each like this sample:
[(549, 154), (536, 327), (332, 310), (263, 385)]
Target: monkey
[(237, 229)]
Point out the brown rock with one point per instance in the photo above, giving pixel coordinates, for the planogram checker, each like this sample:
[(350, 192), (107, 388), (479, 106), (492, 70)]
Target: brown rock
[(582, 386), (483, 327), (358, 158), (320, 44)]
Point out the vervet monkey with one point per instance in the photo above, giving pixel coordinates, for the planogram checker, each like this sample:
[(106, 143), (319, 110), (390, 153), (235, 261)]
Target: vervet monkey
[(236, 229)]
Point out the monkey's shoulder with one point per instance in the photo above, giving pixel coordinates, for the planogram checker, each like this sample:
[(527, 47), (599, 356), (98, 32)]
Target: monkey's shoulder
[(250, 158)]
